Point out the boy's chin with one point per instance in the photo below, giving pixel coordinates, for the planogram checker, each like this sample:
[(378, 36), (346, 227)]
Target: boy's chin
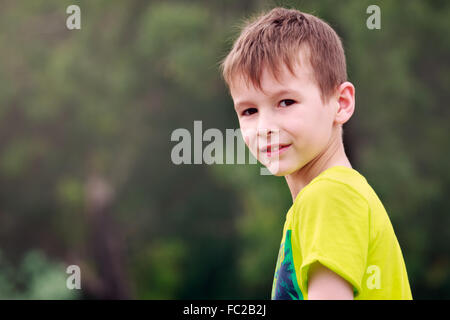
[(280, 174), (279, 171)]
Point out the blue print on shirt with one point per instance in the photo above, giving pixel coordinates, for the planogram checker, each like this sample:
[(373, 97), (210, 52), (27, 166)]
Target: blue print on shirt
[(285, 286)]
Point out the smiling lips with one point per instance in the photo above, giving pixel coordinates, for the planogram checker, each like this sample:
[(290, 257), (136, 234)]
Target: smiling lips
[(274, 149)]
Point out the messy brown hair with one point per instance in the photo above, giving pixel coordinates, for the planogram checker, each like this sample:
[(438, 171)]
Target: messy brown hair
[(276, 37)]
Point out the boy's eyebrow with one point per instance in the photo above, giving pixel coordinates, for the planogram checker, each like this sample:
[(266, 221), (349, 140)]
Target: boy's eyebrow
[(241, 103), (275, 94)]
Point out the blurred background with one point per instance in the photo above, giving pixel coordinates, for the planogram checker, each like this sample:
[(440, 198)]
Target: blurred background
[(86, 176)]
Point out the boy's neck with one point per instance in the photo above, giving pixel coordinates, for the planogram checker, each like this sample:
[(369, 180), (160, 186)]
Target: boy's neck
[(332, 155)]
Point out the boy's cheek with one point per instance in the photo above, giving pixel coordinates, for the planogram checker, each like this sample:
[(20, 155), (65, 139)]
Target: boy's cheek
[(248, 136), (252, 145), (246, 140)]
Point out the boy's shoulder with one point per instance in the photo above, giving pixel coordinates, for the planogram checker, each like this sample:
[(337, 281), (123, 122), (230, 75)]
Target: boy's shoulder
[(336, 182), (337, 197)]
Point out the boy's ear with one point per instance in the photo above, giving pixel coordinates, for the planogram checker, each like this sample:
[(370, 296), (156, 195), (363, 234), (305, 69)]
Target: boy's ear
[(345, 102)]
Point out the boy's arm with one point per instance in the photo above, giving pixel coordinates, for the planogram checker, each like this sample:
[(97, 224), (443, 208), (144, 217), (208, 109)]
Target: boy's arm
[(324, 284)]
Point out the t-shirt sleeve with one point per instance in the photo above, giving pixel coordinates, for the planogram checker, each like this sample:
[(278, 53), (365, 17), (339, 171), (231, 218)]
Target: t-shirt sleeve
[(333, 229)]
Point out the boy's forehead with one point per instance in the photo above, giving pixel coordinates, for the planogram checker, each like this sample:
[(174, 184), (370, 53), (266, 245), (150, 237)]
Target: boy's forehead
[(302, 75)]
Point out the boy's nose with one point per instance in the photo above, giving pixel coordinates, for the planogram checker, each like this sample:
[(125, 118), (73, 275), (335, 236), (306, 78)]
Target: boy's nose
[(266, 124), (267, 137), (267, 132)]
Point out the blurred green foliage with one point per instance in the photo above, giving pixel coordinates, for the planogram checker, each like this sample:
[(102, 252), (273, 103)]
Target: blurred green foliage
[(36, 277), (85, 170)]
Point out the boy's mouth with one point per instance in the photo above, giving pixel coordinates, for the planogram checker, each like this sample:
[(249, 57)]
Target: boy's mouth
[(271, 150)]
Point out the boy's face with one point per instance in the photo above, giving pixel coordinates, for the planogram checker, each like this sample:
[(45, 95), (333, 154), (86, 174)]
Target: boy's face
[(289, 114)]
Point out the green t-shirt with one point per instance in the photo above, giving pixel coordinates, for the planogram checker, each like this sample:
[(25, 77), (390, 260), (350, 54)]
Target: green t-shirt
[(339, 221)]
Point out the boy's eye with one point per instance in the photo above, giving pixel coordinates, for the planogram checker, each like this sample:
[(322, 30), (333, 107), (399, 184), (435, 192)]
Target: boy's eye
[(286, 102), (249, 111)]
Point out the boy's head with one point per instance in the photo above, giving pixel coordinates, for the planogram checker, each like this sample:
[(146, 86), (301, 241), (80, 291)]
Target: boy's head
[(287, 76)]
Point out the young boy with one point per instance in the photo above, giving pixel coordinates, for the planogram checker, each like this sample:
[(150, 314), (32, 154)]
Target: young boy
[(287, 76)]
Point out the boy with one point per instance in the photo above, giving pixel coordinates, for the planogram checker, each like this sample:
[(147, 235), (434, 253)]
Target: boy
[(287, 76)]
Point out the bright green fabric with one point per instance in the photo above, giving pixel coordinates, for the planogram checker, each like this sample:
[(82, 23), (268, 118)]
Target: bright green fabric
[(339, 221)]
